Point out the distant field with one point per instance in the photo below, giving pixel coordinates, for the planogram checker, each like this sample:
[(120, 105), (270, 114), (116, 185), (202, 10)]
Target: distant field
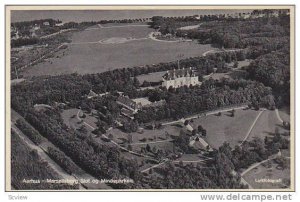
[(225, 128), (86, 55)]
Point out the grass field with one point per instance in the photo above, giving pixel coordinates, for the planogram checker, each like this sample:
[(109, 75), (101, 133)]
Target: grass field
[(152, 77), (265, 125), (225, 128), (155, 138), (265, 171), (285, 114), (84, 57), (70, 119)]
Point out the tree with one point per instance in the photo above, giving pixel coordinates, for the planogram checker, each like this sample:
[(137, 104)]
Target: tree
[(83, 129), (194, 132), (154, 149), (200, 128), (282, 162), (286, 125), (129, 147), (148, 148), (154, 95), (236, 64), (232, 113), (204, 133), (136, 82), (110, 136), (129, 138)]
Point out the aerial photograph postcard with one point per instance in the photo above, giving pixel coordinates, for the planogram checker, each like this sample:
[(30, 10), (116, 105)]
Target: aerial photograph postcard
[(152, 98)]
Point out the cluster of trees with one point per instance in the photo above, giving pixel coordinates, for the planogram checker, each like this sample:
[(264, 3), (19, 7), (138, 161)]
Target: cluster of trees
[(273, 69), (168, 25), (130, 126), (26, 164), (47, 90), (257, 150), (30, 132), (24, 30), (24, 42), (85, 24), (62, 160), (25, 24), (228, 33), (211, 95)]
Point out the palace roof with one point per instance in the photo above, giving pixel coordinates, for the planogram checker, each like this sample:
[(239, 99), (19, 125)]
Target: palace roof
[(177, 73)]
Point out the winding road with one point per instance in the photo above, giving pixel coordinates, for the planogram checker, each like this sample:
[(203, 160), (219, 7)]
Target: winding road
[(154, 142), (201, 114), (278, 116)]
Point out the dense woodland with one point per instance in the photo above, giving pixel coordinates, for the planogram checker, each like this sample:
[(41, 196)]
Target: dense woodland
[(266, 84), (230, 33), (26, 164)]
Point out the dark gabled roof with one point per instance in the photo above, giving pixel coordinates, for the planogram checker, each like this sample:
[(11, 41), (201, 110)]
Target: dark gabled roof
[(127, 102), (176, 73)]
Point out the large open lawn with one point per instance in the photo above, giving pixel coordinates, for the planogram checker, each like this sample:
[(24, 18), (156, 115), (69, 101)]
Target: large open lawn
[(152, 77), (154, 138), (226, 128), (70, 119), (97, 50), (266, 124)]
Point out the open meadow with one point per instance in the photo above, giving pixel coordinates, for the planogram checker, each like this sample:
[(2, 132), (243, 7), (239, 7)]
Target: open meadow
[(99, 49), (226, 128), (266, 125)]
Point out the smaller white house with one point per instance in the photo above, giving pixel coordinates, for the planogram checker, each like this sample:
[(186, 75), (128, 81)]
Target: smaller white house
[(46, 23)]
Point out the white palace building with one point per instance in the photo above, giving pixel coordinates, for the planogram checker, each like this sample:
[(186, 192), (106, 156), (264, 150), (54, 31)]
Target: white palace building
[(180, 77)]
